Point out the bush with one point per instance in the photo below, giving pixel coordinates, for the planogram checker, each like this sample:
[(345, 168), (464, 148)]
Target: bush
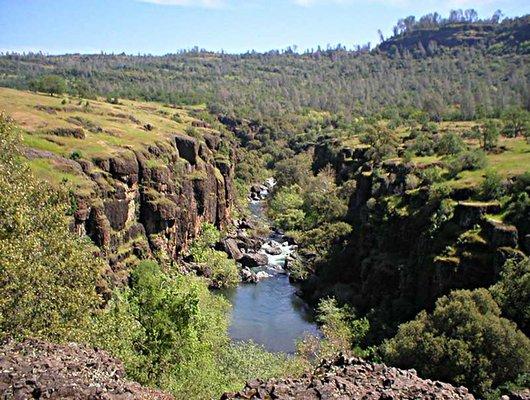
[(463, 341), (167, 330), (492, 186), (341, 330), (450, 143), (215, 264), (52, 84), (47, 274), (469, 160), (423, 145)]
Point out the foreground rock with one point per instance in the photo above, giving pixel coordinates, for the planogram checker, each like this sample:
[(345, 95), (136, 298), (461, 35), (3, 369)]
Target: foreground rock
[(352, 378), (37, 369)]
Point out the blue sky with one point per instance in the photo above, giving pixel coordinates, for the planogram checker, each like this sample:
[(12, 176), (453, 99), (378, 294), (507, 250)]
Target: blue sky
[(164, 26)]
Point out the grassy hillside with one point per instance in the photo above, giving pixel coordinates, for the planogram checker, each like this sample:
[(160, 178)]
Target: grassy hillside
[(49, 123)]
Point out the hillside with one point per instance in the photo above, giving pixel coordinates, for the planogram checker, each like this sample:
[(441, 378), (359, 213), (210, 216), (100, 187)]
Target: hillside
[(508, 37), (465, 80), (142, 177)]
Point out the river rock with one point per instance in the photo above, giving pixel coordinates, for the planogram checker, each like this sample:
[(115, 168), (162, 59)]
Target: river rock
[(248, 276), (262, 275), (253, 260), (230, 247), (272, 248)]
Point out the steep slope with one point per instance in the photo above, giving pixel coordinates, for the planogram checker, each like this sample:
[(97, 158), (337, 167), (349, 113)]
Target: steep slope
[(512, 36), (139, 185)]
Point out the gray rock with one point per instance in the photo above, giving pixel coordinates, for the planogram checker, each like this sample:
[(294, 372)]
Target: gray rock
[(253, 260)]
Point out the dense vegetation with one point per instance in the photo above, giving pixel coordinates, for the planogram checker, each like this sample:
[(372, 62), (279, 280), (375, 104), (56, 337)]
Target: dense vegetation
[(456, 81)]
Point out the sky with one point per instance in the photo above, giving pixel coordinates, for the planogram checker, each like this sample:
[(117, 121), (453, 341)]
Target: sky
[(234, 26)]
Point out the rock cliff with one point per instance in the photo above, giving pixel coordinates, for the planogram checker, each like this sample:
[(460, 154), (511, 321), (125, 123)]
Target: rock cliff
[(154, 200), (409, 244)]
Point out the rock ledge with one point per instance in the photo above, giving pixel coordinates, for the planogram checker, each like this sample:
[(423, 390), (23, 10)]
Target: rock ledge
[(352, 378)]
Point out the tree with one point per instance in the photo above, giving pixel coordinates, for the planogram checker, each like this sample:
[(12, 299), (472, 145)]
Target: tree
[(490, 134), (464, 341), (52, 84), (512, 292), (48, 275), (492, 187), (382, 141), (516, 123), (450, 143)]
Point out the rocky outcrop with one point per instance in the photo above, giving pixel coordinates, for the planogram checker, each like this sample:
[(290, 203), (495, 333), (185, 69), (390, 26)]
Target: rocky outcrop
[(154, 199), (352, 378), (410, 244), (35, 369)]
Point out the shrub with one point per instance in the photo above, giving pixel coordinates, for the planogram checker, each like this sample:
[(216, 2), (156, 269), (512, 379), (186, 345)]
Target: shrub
[(423, 144), (341, 330), (463, 341), (214, 264), (450, 143), (47, 274), (167, 330), (76, 155), (492, 186), (466, 160), (52, 84), (512, 292)]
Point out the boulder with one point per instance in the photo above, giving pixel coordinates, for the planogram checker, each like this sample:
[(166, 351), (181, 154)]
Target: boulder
[(187, 147), (230, 247), (272, 248), (248, 276), (253, 260)]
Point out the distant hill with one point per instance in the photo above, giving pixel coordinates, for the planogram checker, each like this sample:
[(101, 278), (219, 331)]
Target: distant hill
[(452, 71), (510, 36)]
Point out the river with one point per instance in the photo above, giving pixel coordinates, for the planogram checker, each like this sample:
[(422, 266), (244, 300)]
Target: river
[(270, 312)]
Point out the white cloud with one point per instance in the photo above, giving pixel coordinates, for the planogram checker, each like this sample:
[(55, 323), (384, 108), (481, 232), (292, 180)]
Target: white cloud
[(190, 3)]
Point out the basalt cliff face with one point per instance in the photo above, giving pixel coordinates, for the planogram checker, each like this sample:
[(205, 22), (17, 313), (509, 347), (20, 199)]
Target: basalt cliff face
[(154, 200)]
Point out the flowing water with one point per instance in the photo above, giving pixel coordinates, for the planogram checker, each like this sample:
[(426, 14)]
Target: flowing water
[(270, 312)]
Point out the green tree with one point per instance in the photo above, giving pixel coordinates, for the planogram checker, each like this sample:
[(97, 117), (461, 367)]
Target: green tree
[(286, 207), (490, 134), (516, 123), (52, 84), (512, 292), (214, 264), (492, 186), (47, 274), (464, 341), (450, 143)]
